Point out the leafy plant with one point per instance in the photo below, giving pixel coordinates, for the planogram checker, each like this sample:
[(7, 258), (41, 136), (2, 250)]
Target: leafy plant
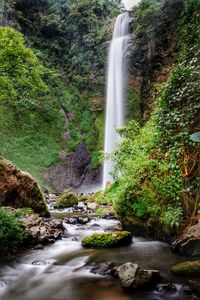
[(11, 232)]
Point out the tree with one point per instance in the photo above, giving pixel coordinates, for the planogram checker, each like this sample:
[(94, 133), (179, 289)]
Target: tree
[(20, 70)]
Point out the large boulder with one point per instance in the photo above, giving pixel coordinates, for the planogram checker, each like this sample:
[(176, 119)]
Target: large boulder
[(67, 199), (187, 268), (133, 276), (19, 189), (107, 240), (73, 170), (189, 243)]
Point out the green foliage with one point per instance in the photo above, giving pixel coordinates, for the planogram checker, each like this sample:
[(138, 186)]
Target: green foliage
[(69, 53), (133, 108), (20, 71), (71, 34), (172, 216), (156, 166), (11, 232), (107, 240), (156, 31)]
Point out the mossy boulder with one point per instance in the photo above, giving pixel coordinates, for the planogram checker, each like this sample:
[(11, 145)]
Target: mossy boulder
[(107, 240), (187, 268), (19, 189), (67, 199)]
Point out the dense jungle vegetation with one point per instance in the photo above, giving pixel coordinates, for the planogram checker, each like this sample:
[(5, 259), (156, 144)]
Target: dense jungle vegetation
[(157, 165), (52, 81), (53, 56)]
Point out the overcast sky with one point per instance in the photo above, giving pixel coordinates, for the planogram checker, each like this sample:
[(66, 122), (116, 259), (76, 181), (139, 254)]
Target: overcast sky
[(130, 3)]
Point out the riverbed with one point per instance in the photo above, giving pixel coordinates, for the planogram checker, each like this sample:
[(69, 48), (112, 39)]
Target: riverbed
[(62, 270)]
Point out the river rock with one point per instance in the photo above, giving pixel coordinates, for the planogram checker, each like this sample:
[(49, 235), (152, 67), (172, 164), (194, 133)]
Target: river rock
[(187, 268), (19, 189), (92, 206), (41, 231), (107, 240), (189, 243), (166, 288), (102, 268), (72, 221), (67, 199), (82, 220), (133, 276)]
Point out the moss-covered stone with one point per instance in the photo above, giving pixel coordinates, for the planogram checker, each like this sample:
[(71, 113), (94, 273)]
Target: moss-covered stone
[(67, 199), (187, 268), (19, 189), (107, 240)]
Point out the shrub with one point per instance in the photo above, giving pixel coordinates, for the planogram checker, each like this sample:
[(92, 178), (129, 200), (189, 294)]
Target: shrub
[(11, 232)]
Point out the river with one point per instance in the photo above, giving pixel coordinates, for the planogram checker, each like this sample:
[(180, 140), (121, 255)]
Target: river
[(62, 271)]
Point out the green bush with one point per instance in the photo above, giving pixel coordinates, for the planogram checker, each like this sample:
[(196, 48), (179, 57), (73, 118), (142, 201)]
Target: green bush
[(11, 232)]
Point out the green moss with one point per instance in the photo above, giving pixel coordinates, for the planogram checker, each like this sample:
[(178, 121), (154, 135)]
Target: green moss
[(187, 268), (107, 240), (38, 204), (67, 199)]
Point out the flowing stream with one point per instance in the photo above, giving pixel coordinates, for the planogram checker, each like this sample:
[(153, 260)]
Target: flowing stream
[(115, 89), (62, 271)]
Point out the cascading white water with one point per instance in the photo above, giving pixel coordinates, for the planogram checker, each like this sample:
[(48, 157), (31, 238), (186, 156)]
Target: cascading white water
[(116, 78)]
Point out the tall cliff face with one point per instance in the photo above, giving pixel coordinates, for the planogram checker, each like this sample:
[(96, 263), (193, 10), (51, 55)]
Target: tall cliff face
[(154, 49)]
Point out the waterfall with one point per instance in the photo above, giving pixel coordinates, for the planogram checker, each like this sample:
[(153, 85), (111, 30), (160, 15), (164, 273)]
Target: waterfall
[(116, 79)]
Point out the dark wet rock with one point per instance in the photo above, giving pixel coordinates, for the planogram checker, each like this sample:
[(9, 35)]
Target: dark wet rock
[(19, 189), (187, 268), (187, 290), (95, 225), (74, 239), (109, 216), (72, 221), (117, 227), (189, 243), (83, 221), (39, 263), (102, 268), (41, 231), (72, 171), (133, 276), (77, 220), (109, 240), (38, 247), (167, 288), (194, 284), (57, 224), (136, 227)]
